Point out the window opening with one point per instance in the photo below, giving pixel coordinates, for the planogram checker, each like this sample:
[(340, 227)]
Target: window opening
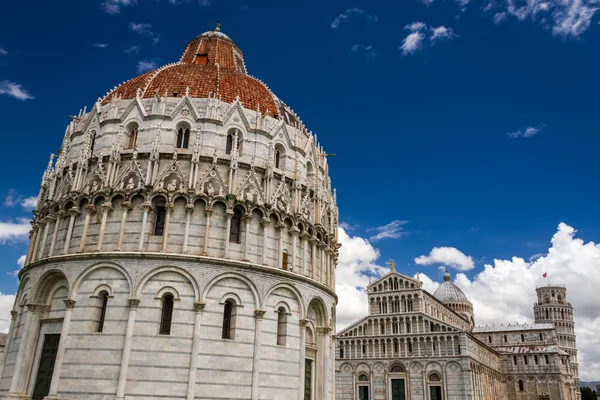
[(236, 226), (133, 138), (227, 320), (183, 138), (104, 297), (167, 315), (161, 213), (281, 326)]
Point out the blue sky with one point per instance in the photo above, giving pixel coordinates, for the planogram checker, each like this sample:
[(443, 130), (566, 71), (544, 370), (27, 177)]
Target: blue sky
[(466, 124)]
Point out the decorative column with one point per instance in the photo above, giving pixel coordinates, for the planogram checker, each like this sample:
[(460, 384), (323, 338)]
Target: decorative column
[(302, 360), (59, 217), (258, 317), (60, 354), (74, 213), (26, 348), (304, 240), (133, 305), (89, 210), (146, 207), (126, 207), (9, 339), (265, 227), (40, 250), (324, 349), (208, 212), (228, 216), (32, 239), (106, 208), (191, 389), (279, 227), (189, 209), (169, 207), (294, 232), (247, 220), (313, 260)]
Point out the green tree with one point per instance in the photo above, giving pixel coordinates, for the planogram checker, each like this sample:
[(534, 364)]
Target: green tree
[(587, 393)]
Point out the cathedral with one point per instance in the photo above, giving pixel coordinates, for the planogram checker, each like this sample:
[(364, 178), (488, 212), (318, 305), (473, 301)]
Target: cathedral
[(414, 345), (184, 246)]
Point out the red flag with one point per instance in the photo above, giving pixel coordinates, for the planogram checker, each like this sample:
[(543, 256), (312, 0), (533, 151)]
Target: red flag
[(545, 274)]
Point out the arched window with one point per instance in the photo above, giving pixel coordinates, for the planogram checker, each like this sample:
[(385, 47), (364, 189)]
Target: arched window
[(133, 137), (541, 336), (284, 261), (522, 338), (104, 299), (92, 141), (159, 225), (229, 145), (281, 326), (277, 158), (363, 378), (342, 351), (183, 137), (547, 315), (236, 226), (521, 386), (167, 314), (228, 319)]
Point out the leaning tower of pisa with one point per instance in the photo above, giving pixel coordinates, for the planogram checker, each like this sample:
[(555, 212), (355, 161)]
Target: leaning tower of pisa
[(552, 307)]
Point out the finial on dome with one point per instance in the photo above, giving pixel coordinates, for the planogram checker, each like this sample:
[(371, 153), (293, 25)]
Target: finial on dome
[(218, 27), (447, 276), (393, 266)]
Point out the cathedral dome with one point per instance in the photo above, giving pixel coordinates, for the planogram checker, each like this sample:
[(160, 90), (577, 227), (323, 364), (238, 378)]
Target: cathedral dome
[(448, 292), (211, 66)]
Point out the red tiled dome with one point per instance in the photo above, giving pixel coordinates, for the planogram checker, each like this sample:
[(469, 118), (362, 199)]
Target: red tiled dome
[(211, 66)]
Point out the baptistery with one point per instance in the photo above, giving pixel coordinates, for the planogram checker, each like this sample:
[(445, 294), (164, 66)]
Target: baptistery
[(184, 246)]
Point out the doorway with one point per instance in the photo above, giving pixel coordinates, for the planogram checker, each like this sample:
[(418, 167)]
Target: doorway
[(307, 379), (435, 393), (398, 389), (46, 368), (363, 392)]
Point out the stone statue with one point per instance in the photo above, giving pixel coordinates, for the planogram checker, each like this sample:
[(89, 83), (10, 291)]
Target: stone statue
[(172, 186), (130, 184), (94, 187), (209, 189), (250, 195)]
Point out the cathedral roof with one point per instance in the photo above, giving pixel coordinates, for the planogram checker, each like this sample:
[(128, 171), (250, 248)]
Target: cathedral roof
[(212, 66), (514, 327), (448, 292)]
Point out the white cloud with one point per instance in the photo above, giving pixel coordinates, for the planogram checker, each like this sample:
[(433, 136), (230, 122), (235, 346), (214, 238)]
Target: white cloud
[(114, 6), (504, 292), (343, 17), (100, 45), (3, 52), (356, 263), (13, 198), (427, 2), (21, 263), (416, 26), (393, 230), (29, 203), (525, 132), (6, 306), (412, 43), (132, 50), (442, 32), (146, 65), (14, 231), (367, 50), (145, 29), (15, 90), (449, 256)]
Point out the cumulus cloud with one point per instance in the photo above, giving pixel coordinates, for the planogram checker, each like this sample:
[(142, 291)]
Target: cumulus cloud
[(132, 50), (525, 132), (441, 32), (503, 292), (345, 16), (449, 256), (14, 231), (13, 198), (6, 305), (145, 29), (15, 90), (115, 6), (414, 40), (393, 230), (146, 65), (21, 264)]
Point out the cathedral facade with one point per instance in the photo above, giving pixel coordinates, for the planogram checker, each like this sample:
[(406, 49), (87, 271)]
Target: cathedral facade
[(414, 345), (184, 246)]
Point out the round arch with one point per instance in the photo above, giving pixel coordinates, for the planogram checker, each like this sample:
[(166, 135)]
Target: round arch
[(180, 270), (87, 271), (42, 289), (293, 290), (236, 275)]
